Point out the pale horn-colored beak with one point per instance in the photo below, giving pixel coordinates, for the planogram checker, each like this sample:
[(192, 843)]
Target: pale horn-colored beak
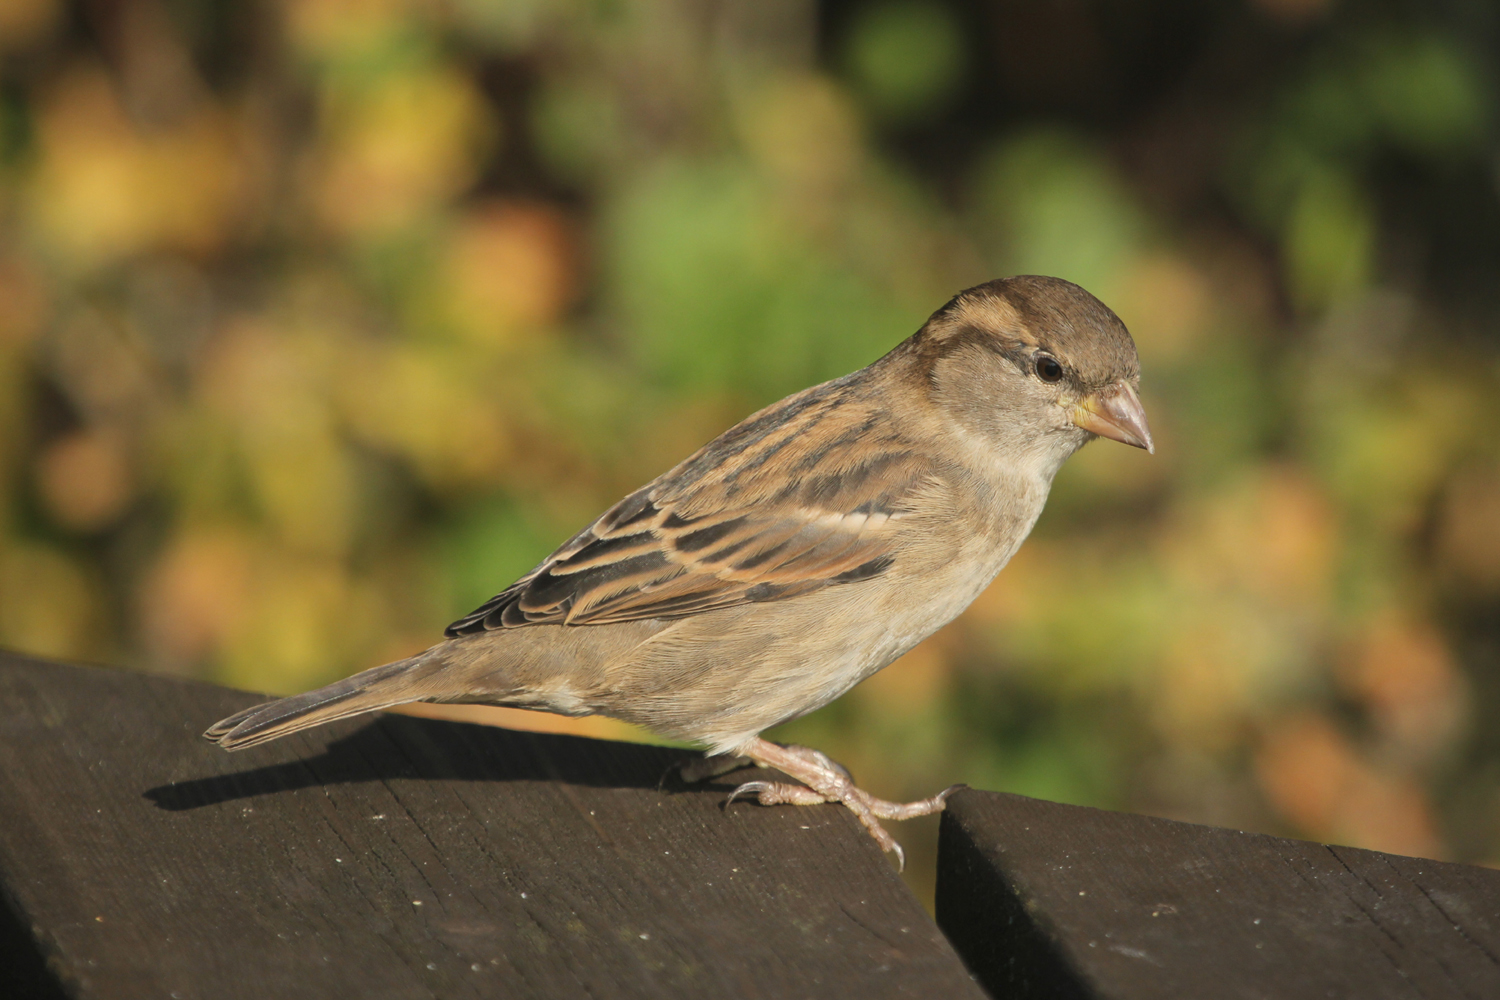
[(1115, 412)]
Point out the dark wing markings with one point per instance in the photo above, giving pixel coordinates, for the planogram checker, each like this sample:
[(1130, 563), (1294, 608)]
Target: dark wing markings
[(762, 513)]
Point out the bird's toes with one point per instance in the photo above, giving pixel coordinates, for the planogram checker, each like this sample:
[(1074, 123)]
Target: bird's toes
[(882, 836), (778, 793), (907, 810)]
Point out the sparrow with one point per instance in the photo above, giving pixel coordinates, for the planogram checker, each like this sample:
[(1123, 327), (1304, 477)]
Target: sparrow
[(794, 555)]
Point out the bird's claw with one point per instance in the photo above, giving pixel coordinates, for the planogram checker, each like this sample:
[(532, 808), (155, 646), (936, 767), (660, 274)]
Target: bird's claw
[(757, 787)]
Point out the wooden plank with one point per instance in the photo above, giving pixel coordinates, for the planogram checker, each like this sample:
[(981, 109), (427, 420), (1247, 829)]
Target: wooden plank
[(404, 857), (1049, 900)]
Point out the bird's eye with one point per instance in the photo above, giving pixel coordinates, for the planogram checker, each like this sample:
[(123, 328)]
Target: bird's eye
[(1047, 369)]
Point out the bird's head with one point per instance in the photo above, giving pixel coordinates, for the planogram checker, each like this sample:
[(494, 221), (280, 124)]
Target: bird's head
[(1036, 365)]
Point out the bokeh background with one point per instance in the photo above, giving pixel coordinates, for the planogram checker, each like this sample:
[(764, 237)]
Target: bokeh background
[(322, 320)]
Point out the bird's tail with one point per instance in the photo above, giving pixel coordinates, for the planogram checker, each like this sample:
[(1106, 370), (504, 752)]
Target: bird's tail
[(367, 691)]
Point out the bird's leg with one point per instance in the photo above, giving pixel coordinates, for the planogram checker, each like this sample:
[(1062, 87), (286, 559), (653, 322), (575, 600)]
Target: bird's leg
[(824, 781), (817, 757), (696, 769)]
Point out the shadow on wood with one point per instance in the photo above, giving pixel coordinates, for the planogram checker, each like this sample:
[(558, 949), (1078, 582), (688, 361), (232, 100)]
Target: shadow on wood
[(23, 969), (391, 747), (411, 858)]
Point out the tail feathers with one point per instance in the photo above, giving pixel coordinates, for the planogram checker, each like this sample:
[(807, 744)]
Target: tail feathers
[(368, 691)]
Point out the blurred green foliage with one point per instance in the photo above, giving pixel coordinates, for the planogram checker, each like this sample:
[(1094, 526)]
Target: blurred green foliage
[(905, 58), (322, 321)]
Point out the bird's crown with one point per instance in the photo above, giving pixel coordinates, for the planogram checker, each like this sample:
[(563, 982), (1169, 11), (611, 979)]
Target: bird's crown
[(1019, 316)]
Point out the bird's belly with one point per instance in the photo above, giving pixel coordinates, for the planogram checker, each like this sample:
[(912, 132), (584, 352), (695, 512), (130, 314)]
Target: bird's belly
[(908, 617), (724, 677)]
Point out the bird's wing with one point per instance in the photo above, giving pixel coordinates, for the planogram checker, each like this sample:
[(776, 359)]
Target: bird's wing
[(803, 495)]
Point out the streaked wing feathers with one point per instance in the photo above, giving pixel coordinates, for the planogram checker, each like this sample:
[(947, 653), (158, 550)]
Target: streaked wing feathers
[(766, 511)]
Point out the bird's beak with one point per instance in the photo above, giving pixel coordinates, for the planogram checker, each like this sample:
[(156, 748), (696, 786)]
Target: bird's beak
[(1115, 412)]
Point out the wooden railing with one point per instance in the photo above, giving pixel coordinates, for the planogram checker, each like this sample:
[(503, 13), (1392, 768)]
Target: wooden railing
[(402, 857)]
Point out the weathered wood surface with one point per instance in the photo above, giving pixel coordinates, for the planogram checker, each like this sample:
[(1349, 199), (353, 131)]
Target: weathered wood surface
[(401, 857), (1056, 901)]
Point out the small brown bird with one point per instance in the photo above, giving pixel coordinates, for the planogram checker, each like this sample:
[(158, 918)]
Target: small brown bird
[(794, 555)]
